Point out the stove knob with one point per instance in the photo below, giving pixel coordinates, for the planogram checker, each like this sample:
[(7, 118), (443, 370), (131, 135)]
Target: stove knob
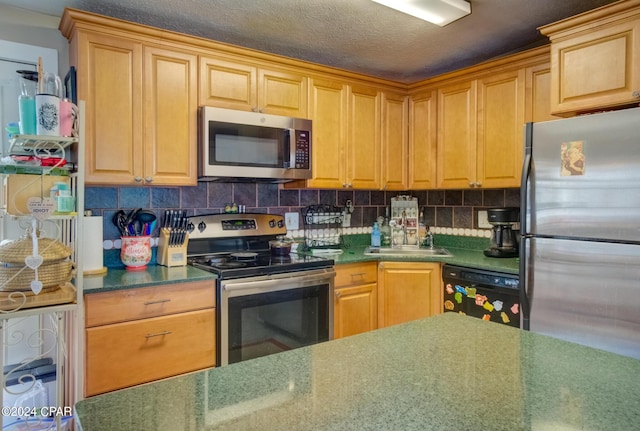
[(272, 223), (201, 226), (280, 224), (191, 227)]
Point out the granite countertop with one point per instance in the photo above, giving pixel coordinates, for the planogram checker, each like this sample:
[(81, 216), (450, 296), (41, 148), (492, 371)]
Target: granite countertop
[(447, 372), (466, 252), (152, 275)]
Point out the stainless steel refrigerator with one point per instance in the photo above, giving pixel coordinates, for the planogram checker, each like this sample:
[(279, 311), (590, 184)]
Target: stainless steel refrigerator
[(580, 230)]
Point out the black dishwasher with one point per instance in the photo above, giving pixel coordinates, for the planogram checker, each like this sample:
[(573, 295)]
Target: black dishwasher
[(488, 295)]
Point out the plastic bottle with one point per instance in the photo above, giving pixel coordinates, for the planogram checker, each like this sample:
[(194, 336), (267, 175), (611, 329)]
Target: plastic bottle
[(375, 235)]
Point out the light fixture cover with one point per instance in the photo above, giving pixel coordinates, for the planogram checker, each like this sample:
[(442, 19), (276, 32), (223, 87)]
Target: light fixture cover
[(439, 12)]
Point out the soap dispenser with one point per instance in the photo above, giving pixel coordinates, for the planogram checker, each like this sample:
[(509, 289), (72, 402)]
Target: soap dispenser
[(375, 235)]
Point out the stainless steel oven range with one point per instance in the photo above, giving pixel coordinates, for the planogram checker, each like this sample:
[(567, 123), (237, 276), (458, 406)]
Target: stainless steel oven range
[(265, 303)]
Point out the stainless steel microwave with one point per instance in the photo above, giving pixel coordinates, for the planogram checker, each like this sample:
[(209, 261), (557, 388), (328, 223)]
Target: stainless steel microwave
[(242, 145)]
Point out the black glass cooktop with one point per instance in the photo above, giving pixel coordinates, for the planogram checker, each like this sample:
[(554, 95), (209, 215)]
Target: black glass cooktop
[(249, 263)]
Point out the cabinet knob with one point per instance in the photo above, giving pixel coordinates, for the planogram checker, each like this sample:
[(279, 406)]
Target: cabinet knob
[(636, 94), (472, 184), (254, 108), (137, 179), (338, 294), (148, 179), (478, 184)]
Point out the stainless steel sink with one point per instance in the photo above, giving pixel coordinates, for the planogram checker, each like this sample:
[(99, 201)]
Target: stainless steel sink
[(407, 251)]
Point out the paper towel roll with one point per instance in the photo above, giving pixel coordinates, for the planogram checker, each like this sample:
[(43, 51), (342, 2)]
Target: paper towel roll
[(92, 252)]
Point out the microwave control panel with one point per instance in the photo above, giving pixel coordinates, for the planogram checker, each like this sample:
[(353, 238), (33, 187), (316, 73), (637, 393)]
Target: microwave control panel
[(303, 149)]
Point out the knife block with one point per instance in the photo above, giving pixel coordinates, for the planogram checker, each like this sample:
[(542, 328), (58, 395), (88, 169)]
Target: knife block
[(171, 255)]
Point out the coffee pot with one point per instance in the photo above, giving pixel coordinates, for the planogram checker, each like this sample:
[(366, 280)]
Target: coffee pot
[(504, 240)]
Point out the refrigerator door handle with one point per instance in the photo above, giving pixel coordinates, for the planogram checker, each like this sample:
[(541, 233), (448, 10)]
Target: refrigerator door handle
[(524, 218), (525, 309)]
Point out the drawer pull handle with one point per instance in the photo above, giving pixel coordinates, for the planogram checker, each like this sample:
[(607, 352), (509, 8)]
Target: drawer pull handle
[(358, 274), (157, 334), (159, 301)]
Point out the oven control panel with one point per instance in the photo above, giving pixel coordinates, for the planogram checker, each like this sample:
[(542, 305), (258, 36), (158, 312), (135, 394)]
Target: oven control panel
[(238, 224)]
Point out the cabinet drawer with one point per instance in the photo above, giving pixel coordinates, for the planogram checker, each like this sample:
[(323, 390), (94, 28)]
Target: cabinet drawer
[(356, 273), (140, 303), (130, 353)]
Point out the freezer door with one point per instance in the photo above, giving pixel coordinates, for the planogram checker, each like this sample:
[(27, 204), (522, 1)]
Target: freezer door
[(585, 177), (585, 292)]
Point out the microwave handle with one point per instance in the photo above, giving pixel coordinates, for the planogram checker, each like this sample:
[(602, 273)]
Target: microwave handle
[(289, 134)]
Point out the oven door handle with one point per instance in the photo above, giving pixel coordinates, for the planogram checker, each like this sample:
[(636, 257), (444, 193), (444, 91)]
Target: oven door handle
[(281, 281)]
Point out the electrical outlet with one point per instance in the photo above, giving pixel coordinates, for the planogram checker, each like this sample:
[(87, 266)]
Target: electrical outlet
[(483, 220), (291, 221)]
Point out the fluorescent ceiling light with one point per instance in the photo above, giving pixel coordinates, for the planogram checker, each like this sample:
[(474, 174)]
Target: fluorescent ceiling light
[(439, 12)]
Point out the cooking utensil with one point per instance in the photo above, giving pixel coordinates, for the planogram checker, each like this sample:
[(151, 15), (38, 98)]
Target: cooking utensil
[(120, 221), (281, 246)]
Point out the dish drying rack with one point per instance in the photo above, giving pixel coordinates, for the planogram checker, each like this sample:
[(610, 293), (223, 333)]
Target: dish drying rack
[(322, 226)]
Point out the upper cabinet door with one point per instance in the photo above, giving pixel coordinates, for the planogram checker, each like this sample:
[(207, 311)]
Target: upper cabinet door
[(109, 79), (395, 145), (456, 151), (231, 83), (595, 60), (282, 93), (328, 137), (170, 116), (500, 129), (228, 84), (363, 157), (422, 140)]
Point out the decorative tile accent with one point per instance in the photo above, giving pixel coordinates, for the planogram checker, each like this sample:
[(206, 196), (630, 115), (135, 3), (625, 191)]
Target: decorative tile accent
[(289, 198), (136, 197), (164, 197), (447, 209), (245, 194), (267, 195), (195, 197), (100, 197), (218, 194)]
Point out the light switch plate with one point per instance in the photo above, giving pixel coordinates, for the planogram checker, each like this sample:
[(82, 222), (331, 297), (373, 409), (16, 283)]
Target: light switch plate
[(291, 221), (483, 220)]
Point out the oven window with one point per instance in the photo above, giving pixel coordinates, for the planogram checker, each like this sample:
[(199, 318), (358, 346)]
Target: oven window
[(242, 145), (267, 323)]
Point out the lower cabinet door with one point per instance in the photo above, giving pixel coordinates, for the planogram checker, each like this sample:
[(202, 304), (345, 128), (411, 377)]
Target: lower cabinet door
[(130, 353)]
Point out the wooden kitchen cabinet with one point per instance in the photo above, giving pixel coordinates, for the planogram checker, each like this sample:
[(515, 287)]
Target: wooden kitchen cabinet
[(138, 335), (355, 302), (141, 105), (346, 135), (595, 59), (480, 132), (408, 291), (538, 93), (363, 138), (236, 84), (422, 140), (395, 141)]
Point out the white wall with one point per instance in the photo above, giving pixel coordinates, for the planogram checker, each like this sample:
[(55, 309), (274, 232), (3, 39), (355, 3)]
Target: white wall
[(22, 26)]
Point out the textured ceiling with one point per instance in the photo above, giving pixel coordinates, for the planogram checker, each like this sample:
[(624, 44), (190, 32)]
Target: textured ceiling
[(357, 35)]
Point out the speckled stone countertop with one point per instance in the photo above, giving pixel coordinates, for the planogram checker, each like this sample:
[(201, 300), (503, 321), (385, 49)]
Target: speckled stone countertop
[(447, 372), (152, 275), (466, 252)]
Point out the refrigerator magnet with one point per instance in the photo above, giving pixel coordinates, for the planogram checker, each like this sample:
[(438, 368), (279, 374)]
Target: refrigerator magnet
[(572, 158)]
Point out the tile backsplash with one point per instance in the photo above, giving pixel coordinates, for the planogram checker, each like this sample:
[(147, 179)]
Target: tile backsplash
[(442, 208)]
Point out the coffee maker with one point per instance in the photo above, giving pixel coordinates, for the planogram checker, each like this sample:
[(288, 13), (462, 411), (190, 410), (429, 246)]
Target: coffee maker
[(504, 240)]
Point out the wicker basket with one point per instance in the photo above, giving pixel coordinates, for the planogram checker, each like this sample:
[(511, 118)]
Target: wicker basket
[(56, 268)]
